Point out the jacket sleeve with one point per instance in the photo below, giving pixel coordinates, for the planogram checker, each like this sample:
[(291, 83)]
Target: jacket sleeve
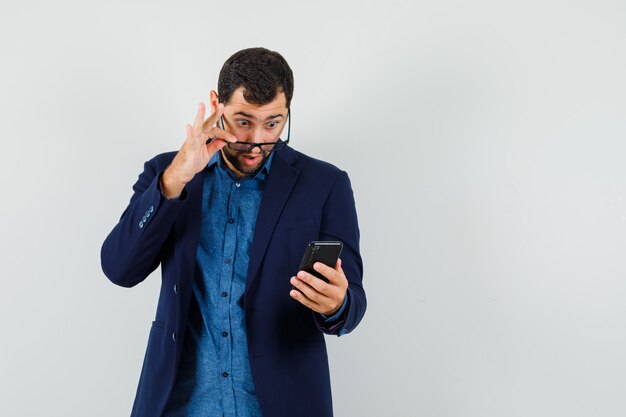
[(132, 250), (339, 222)]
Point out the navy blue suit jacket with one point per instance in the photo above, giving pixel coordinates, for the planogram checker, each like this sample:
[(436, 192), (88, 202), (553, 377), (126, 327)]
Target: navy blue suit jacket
[(304, 200)]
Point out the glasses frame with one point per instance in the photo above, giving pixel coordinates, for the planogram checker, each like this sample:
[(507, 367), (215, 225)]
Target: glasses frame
[(252, 145)]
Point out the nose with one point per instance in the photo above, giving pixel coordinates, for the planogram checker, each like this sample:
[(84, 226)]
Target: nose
[(257, 135)]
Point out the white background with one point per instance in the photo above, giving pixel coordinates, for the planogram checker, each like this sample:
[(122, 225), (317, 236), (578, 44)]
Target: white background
[(485, 141)]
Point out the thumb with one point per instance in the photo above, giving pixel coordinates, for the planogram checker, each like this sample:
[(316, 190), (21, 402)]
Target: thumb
[(215, 146), (338, 265)]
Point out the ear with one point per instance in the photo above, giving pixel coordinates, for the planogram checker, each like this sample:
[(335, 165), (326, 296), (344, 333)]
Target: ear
[(214, 100)]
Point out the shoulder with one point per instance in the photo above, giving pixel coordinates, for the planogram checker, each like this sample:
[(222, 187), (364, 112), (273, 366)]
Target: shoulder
[(310, 166), (161, 161)]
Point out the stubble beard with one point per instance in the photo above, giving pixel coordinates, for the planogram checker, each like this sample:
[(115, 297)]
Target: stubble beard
[(239, 166)]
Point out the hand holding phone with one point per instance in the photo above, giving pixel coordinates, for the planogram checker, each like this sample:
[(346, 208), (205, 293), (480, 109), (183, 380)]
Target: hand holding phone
[(326, 252), (322, 297)]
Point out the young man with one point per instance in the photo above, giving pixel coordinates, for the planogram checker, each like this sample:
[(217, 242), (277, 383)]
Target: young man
[(238, 329)]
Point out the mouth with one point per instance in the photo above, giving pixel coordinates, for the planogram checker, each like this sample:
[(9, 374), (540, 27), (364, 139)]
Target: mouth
[(251, 160)]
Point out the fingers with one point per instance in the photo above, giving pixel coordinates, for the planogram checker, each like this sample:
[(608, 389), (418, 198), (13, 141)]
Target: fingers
[(217, 133), (200, 125), (307, 287), (335, 276), (215, 146), (317, 294), (199, 122), (206, 130), (213, 118), (313, 281), (296, 295), (189, 131), (194, 132), (217, 140), (321, 303)]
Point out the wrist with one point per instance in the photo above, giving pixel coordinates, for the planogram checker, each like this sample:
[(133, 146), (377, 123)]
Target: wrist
[(333, 311), (171, 185), (172, 178)]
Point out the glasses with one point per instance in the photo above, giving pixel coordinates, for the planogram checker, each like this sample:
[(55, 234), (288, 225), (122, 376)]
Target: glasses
[(263, 147)]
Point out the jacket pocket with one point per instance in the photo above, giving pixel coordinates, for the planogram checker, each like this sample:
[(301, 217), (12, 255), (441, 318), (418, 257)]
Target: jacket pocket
[(293, 224)]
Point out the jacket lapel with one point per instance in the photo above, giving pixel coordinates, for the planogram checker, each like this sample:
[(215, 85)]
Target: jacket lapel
[(281, 180)]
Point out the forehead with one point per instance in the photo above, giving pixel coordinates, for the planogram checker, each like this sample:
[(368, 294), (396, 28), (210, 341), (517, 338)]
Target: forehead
[(237, 103)]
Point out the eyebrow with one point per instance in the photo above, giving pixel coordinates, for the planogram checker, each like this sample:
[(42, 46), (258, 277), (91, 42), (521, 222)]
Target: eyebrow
[(248, 115)]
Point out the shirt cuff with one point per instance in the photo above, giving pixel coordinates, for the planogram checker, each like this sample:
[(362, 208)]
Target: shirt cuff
[(338, 314)]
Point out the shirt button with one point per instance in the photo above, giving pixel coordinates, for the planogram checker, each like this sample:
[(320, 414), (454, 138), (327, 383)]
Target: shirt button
[(227, 260), (237, 184), (224, 334), (225, 374), (224, 294), (231, 221)]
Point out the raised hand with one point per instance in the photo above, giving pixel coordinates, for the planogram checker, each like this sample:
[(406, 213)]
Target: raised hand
[(195, 153)]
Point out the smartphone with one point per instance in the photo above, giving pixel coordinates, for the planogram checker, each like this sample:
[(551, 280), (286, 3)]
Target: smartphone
[(325, 252)]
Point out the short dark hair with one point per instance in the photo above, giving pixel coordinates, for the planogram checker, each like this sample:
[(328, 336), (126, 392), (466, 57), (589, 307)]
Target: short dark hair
[(261, 72)]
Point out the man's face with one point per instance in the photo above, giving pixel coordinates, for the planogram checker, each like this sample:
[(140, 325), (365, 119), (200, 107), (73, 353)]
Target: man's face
[(254, 124)]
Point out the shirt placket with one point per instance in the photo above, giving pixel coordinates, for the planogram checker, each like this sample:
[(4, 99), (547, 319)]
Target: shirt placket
[(227, 298)]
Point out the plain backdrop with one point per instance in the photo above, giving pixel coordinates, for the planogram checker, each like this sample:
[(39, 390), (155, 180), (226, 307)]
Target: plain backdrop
[(485, 142)]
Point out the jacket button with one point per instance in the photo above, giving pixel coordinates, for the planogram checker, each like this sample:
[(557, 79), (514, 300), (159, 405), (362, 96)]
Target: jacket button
[(140, 225), (174, 336), (224, 334), (175, 288), (151, 209)]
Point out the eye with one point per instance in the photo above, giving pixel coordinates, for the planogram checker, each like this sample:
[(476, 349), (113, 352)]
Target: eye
[(243, 122), (272, 124)]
